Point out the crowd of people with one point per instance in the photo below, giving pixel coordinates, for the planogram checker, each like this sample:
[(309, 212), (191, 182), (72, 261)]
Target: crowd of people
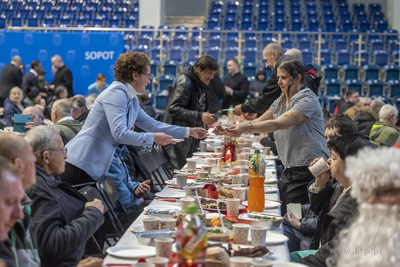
[(73, 141)]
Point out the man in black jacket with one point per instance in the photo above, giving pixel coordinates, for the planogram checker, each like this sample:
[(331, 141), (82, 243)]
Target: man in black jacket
[(236, 85), (188, 107), (11, 76), (216, 92), (63, 76), (31, 77), (62, 217)]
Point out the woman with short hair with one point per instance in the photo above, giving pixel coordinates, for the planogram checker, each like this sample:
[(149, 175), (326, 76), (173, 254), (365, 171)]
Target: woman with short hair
[(111, 121)]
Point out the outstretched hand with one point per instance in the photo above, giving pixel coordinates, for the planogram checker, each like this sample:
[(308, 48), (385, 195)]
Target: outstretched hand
[(238, 129), (220, 130), (198, 133)]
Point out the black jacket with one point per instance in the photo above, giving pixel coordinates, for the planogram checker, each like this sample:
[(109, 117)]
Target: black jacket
[(62, 223), (240, 87), (330, 222), (216, 92), (83, 116), (11, 76), (364, 119), (29, 80), (147, 106), (343, 106), (187, 102), (63, 76)]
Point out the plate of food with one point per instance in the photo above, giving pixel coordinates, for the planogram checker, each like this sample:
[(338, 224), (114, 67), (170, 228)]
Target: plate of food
[(211, 204), (268, 204), (272, 220), (202, 154), (241, 250)]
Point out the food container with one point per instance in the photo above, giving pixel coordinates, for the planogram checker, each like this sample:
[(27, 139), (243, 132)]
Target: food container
[(261, 218), (171, 213), (147, 237)]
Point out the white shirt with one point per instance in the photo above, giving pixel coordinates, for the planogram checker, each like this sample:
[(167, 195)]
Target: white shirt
[(34, 72)]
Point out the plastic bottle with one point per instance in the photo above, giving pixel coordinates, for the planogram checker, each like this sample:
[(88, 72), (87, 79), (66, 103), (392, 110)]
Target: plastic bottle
[(256, 200), (191, 240), (230, 111)]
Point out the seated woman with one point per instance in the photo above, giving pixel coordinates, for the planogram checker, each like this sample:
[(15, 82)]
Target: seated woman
[(63, 220), (33, 96), (333, 203), (14, 104)]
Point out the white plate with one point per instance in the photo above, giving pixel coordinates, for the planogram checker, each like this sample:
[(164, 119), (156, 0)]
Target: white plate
[(202, 154), (270, 180), (178, 140), (269, 190), (288, 264), (270, 157), (272, 239), (132, 251), (268, 204), (177, 194)]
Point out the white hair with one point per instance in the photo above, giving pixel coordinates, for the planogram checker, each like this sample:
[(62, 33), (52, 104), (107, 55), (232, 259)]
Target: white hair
[(63, 107), (387, 110), (16, 59), (377, 104), (371, 169), (57, 57), (373, 239), (295, 53), (41, 138)]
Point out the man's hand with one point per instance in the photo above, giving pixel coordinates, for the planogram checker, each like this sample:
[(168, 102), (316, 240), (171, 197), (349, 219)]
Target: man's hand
[(29, 125), (293, 221), (90, 262), (143, 189), (250, 116), (51, 86), (228, 90), (207, 118), (219, 130), (133, 128), (198, 133), (322, 179), (256, 95), (163, 139), (238, 110), (238, 129), (96, 203)]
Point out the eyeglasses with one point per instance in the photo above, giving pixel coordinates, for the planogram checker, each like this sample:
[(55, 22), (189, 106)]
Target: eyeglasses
[(148, 74), (64, 150)]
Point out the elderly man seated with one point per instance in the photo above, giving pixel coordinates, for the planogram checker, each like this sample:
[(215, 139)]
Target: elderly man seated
[(63, 219), (384, 131), (61, 115), (37, 117), (361, 103), (367, 116), (80, 112), (333, 203), (373, 237)]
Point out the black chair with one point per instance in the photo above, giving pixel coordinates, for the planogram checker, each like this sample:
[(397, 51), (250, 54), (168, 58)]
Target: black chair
[(110, 193), (153, 167), (160, 159)]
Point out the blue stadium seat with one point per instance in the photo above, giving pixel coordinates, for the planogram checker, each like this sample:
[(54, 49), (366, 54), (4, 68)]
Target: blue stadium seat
[(266, 41), (391, 37), (216, 31), (374, 8), (307, 55), (175, 53), (304, 43), (196, 29), (337, 36), (234, 33), (263, 24), (144, 39), (364, 57), (371, 35), (47, 4), (231, 14), (263, 14), (32, 21), (332, 87), (9, 11), (377, 44), (16, 21), (56, 11), (246, 23), (361, 16), (371, 72), (295, 6), (358, 7), (329, 15), (394, 88), (377, 16), (330, 25), (162, 28), (355, 85), (93, 3), (231, 52), (381, 25), (396, 101), (181, 30), (295, 15), (348, 25), (229, 23), (279, 6), (312, 14), (297, 24), (392, 72), (250, 54), (250, 41), (25, 11), (63, 4), (155, 52), (148, 27), (345, 15), (213, 52), (250, 34), (193, 52), (395, 55), (381, 58), (180, 40), (326, 56), (217, 4), (214, 41), (164, 81), (355, 45), (170, 67), (98, 21), (311, 5), (130, 22), (343, 7), (246, 14), (81, 22), (87, 12), (32, 3), (364, 25), (114, 22), (343, 57), (375, 88), (249, 69), (17, 4), (154, 67), (313, 25), (330, 71), (78, 4), (279, 15), (331, 100), (340, 44), (212, 22), (350, 72), (280, 24), (189, 63)]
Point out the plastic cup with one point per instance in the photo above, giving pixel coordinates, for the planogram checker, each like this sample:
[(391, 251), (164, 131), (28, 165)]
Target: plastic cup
[(186, 201), (203, 147), (243, 162), (262, 263), (240, 261), (206, 168), (247, 194), (244, 170), (236, 179), (189, 190), (218, 149), (240, 193), (245, 178), (232, 207), (158, 261), (256, 139), (151, 223), (266, 150), (258, 235), (197, 201), (191, 164), (181, 180), (212, 161), (202, 174), (164, 247), (319, 167), (168, 223), (240, 233)]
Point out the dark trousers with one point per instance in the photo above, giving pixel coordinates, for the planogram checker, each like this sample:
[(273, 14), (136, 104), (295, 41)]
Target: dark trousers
[(74, 175), (294, 186), (2, 99)]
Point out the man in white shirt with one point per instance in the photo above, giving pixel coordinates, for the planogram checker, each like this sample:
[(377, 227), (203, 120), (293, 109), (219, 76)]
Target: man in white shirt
[(31, 77)]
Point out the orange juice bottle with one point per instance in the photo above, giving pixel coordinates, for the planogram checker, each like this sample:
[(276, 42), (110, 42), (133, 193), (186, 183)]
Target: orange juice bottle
[(256, 200)]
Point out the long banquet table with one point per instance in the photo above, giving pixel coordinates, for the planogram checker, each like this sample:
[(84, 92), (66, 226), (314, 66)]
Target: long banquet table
[(279, 252)]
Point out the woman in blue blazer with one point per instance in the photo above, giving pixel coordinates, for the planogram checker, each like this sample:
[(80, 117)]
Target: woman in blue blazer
[(111, 121), (14, 104)]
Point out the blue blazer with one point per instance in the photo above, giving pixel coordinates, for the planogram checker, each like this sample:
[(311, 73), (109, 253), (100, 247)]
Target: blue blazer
[(10, 109), (108, 124)]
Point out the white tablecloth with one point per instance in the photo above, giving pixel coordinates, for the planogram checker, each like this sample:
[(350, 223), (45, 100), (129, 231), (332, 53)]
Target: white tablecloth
[(279, 253)]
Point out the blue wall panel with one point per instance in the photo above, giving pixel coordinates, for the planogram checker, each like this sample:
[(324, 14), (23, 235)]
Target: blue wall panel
[(85, 54)]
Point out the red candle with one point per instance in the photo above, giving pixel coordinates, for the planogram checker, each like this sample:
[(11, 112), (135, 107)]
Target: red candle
[(228, 155)]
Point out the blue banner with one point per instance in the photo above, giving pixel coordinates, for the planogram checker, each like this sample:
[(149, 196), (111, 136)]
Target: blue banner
[(85, 54)]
